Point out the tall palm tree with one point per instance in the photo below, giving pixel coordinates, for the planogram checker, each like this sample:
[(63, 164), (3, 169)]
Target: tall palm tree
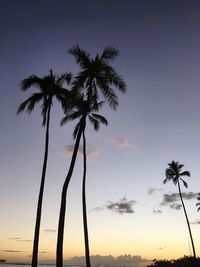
[(96, 76), (174, 173), (50, 86), (85, 109)]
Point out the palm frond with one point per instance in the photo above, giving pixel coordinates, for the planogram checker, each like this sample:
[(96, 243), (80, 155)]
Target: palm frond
[(185, 173), (118, 82), (100, 118), (64, 77), (30, 103), (109, 95), (32, 80), (94, 122), (70, 117), (81, 56), (109, 53), (165, 180), (184, 183)]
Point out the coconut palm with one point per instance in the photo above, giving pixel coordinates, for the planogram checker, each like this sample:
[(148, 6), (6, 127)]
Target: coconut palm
[(86, 109), (49, 87), (96, 76), (174, 173)]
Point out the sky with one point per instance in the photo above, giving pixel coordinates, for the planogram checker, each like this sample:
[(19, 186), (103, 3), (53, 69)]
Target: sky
[(130, 210)]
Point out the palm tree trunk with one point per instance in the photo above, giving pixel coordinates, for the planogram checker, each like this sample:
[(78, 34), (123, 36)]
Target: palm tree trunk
[(39, 205), (188, 224), (61, 223), (87, 250)]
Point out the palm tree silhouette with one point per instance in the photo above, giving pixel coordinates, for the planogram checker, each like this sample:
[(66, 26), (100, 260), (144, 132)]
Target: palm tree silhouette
[(96, 76), (85, 109), (174, 173), (50, 86)]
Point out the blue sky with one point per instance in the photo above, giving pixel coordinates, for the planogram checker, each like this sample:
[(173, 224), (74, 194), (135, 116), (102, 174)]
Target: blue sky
[(157, 121)]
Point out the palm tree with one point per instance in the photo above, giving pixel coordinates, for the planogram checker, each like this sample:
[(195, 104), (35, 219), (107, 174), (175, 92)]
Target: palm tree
[(198, 203), (49, 86), (85, 109), (96, 76), (174, 173)]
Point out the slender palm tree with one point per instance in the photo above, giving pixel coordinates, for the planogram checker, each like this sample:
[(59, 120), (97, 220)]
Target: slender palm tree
[(174, 173), (86, 109), (198, 203), (50, 86), (96, 76)]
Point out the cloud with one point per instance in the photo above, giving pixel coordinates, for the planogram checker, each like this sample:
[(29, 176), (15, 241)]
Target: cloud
[(123, 206), (19, 239), (170, 200), (91, 151), (44, 252), (175, 206), (157, 211), (121, 143), (161, 248), (153, 190), (50, 230), (196, 222), (12, 251)]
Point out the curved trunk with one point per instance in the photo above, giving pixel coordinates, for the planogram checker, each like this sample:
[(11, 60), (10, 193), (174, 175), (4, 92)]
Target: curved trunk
[(61, 223), (188, 224), (39, 206), (87, 250)]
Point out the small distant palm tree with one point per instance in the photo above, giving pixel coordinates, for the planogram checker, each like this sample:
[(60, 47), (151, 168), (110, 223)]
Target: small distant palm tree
[(97, 79), (174, 173), (50, 86), (198, 203)]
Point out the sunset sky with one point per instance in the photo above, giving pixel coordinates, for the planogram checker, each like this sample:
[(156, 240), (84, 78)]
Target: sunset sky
[(130, 210)]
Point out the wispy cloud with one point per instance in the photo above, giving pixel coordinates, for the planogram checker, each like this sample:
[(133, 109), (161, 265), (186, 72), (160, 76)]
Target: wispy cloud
[(196, 222), (19, 239), (44, 252), (157, 211), (12, 251), (121, 143), (170, 200), (123, 206), (161, 248), (153, 190), (50, 230), (91, 151)]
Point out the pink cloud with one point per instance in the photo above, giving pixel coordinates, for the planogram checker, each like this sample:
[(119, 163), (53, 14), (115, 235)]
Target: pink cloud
[(92, 151), (121, 143)]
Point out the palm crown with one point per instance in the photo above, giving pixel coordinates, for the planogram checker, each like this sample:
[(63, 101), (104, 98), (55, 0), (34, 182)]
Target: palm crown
[(85, 108), (49, 86), (174, 173), (97, 75)]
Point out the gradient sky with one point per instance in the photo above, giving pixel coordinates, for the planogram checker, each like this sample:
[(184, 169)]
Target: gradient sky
[(158, 120)]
